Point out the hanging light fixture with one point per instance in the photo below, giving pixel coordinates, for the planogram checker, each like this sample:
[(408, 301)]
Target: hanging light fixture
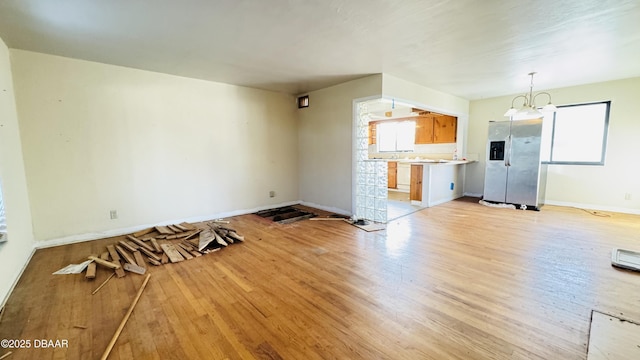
[(529, 110)]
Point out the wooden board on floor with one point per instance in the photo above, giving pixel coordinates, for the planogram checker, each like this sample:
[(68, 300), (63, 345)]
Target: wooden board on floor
[(144, 232), (150, 254), (371, 226), (156, 246), (187, 226), (183, 252), (140, 261), (172, 253), (114, 254), (141, 243), (125, 255), (129, 246), (163, 230), (91, 271), (613, 338)]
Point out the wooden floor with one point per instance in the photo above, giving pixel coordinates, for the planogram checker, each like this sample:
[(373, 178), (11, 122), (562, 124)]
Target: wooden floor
[(399, 205), (456, 281)]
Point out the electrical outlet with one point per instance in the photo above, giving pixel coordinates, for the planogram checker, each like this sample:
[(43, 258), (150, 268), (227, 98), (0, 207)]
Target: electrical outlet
[(627, 196), (113, 214), (272, 193)]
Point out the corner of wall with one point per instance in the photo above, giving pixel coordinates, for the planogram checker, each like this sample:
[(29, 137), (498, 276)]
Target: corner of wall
[(16, 252)]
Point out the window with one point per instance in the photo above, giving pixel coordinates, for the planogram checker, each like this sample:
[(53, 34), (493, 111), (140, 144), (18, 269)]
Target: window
[(576, 134), (396, 135)]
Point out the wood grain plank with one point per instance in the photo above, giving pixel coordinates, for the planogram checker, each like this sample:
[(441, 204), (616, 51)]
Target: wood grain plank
[(155, 245), (183, 252), (125, 255), (454, 281), (163, 230), (128, 245), (141, 243), (113, 252), (140, 260), (150, 254), (172, 253)]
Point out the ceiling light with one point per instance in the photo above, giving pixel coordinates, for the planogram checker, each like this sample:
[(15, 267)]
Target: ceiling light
[(529, 110)]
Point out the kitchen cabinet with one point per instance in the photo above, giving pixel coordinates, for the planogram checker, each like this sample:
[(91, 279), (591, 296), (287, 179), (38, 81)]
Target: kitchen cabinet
[(415, 188), (436, 129), (372, 133), (404, 177), (424, 130), (392, 175), (445, 129)]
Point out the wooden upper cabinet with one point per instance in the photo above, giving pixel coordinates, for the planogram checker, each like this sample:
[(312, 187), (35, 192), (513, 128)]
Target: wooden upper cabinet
[(445, 129), (372, 133), (424, 130)]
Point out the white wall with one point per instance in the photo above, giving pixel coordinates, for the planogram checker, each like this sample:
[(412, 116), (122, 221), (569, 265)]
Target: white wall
[(325, 138), (15, 253), (152, 146), (406, 91), (429, 99), (594, 187)]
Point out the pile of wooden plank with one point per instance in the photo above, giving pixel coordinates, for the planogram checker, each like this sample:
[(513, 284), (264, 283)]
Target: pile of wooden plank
[(160, 245)]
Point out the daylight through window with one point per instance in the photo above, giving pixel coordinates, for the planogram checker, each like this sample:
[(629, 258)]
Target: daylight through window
[(396, 135), (576, 134)]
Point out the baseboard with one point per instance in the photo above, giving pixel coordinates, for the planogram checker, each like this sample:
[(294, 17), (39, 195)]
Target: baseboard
[(128, 230), (593, 207), (15, 281), (326, 208), (473, 194)]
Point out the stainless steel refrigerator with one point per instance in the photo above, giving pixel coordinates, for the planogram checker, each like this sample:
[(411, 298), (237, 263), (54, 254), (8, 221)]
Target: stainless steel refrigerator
[(514, 173)]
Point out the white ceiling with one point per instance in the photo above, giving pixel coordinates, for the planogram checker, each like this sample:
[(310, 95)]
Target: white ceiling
[(470, 48)]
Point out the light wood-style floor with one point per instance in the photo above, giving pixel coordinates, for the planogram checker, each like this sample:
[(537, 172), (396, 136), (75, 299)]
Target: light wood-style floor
[(456, 281), (399, 205)]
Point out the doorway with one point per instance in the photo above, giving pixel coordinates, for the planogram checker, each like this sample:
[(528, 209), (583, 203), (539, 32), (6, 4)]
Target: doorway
[(372, 199), (382, 165)]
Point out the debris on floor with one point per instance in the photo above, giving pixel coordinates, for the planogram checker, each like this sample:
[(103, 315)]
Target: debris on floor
[(368, 225), (157, 246), (285, 215), (73, 268), (335, 217), (625, 259)]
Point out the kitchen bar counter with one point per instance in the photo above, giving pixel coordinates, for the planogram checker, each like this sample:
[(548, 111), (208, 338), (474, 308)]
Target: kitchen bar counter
[(428, 161), (438, 181)]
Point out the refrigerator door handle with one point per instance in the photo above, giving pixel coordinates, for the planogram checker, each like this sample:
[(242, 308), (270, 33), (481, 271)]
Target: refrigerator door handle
[(507, 158)]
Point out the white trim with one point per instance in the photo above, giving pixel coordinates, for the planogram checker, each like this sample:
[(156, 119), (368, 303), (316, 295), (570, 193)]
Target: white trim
[(15, 281), (593, 207), (473, 194), (42, 244), (326, 208)]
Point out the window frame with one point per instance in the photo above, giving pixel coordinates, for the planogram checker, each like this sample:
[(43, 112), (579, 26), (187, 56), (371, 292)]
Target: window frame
[(604, 137), (379, 133)]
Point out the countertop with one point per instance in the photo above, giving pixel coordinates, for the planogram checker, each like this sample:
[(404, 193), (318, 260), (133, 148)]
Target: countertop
[(427, 161)]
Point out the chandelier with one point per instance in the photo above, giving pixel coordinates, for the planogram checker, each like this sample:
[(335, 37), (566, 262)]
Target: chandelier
[(529, 109)]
